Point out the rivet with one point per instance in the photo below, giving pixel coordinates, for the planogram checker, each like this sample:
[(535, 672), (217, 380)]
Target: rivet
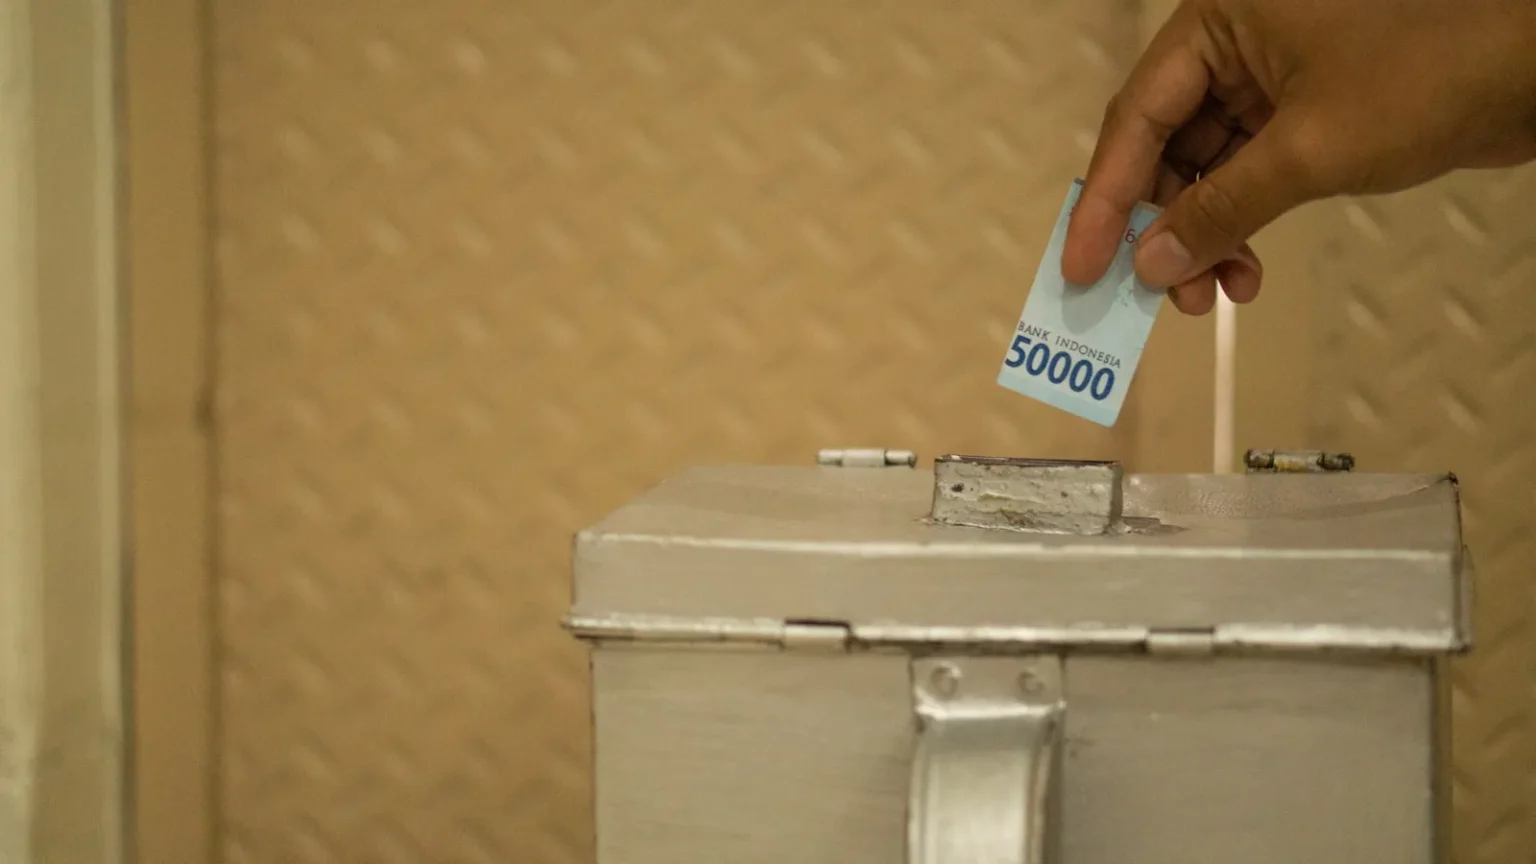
[(945, 680), (1030, 683)]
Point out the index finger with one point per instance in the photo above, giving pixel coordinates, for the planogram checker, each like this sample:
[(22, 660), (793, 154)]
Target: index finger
[(1163, 92)]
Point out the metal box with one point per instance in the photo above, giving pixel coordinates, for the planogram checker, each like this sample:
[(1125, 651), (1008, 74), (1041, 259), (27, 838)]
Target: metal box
[(999, 661)]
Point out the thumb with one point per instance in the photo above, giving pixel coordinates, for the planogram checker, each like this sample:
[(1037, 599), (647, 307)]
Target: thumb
[(1210, 220)]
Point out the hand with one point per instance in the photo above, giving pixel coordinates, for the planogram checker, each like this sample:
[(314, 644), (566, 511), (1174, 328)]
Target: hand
[(1241, 110)]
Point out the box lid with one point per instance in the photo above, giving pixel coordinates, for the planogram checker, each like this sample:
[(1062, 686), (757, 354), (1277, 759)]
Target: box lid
[(1360, 561)]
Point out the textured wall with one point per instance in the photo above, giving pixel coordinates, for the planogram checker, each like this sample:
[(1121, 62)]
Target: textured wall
[(1404, 329), (488, 269)]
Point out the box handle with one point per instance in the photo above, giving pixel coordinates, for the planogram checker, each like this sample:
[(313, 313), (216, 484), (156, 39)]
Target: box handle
[(986, 771)]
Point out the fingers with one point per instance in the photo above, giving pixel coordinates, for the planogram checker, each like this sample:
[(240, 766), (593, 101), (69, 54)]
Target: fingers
[(1238, 277), (1202, 144), (1169, 185), (1241, 276), (1208, 222), (1163, 92), (1196, 296)]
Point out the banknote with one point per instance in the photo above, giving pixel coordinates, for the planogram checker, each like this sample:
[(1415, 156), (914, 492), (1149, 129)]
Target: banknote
[(1076, 348)]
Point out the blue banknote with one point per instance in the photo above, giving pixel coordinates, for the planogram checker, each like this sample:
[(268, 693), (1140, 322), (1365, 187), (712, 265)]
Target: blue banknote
[(1076, 348)]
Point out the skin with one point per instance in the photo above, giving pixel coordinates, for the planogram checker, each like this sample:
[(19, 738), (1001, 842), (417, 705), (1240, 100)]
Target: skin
[(1241, 110)]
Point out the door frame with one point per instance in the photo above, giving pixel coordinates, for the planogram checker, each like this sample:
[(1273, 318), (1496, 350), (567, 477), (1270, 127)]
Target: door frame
[(62, 654), (167, 232)]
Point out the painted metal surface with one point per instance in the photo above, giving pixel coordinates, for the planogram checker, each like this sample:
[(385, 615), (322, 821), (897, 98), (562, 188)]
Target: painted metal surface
[(1284, 557), (760, 756), (1228, 639), (1085, 738)]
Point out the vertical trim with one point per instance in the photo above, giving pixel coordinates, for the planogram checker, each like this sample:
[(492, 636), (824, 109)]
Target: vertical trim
[(80, 790), (21, 542), (61, 707), (1273, 396), (1439, 762), (166, 80), (1224, 446)]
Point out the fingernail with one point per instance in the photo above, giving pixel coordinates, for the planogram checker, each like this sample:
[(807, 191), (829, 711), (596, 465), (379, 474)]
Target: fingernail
[(1163, 260)]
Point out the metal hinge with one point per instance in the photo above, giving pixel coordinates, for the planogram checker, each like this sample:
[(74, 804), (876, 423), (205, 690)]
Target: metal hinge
[(1297, 462), (827, 636), (866, 457), (1195, 642)]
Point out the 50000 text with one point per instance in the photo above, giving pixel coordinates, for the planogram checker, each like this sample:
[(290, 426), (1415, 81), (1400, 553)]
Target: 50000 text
[(1059, 367)]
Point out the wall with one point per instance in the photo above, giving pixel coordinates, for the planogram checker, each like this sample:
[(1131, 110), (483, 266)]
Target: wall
[(474, 273), (1400, 329), (487, 270)]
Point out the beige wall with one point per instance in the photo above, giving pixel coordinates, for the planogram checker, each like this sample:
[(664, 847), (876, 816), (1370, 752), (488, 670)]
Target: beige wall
[(1404, 330), (480, 272), (489, 271)]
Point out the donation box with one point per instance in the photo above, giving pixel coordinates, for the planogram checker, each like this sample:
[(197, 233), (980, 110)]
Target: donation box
[(1022, 661)]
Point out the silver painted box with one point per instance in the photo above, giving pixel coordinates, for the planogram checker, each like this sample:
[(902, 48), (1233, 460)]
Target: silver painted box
[(827, 665)]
